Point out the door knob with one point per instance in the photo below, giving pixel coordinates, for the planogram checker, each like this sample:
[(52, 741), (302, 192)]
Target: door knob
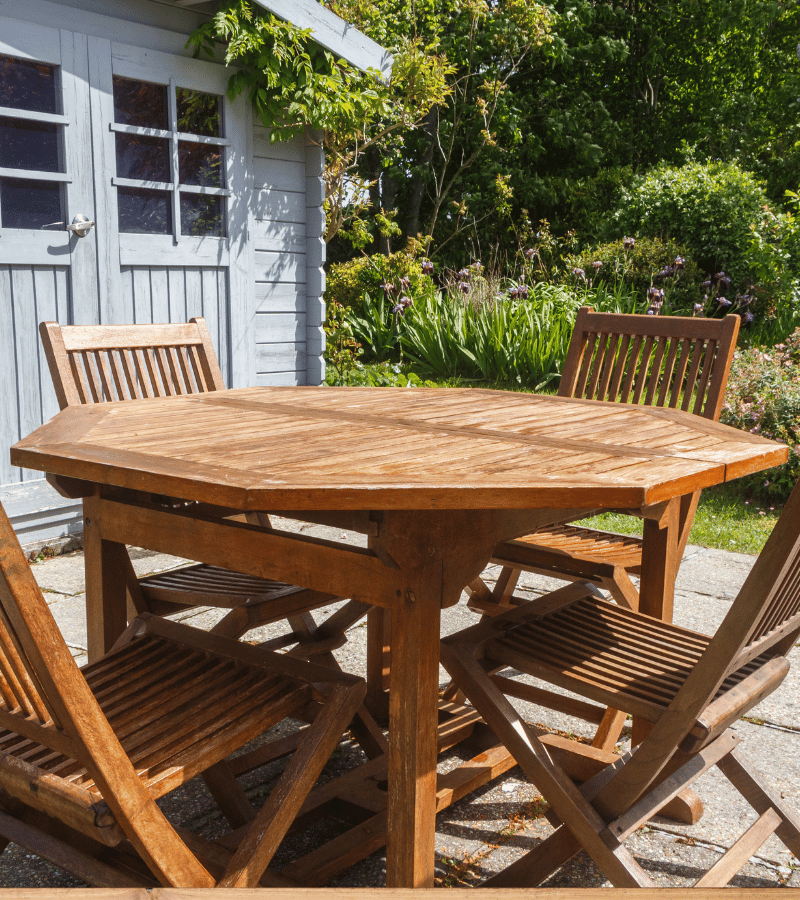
[(80, 226)]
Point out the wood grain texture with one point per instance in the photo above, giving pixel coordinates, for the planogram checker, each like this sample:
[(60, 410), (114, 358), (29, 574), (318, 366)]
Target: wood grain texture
[(307, 448)]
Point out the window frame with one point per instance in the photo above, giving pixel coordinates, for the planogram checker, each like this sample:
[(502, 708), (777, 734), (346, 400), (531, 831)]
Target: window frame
[(175, 137), (27, 115)]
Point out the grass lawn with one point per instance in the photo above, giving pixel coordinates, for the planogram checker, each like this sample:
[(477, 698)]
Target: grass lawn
[(725, 519)]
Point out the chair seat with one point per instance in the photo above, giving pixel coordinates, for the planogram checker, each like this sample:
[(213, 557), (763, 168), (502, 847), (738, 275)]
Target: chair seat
[(587, 544), (607, 653), (202, 585), (175, 709)]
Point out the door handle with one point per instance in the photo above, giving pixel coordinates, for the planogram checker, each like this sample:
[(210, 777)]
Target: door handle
[(80, 226)]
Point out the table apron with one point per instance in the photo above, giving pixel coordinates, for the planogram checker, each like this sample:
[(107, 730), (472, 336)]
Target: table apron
[(320, 565)]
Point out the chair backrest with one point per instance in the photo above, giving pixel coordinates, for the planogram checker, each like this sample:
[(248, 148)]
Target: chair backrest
[(101, 363), (670, 361)]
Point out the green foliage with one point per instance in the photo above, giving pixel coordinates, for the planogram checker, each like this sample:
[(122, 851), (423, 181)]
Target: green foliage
[(712, 208), (341, 349), (375, 327), (512, 341), (638, 267), (382, 375), (763, 397), (347, 282), (290, 80)]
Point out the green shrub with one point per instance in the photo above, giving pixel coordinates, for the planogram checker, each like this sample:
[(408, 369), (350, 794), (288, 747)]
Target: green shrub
[(763, 397), (637, 267), (710, 208), (346, 282)]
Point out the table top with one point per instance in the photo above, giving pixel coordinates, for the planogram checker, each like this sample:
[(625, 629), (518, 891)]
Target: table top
[(394, 448)]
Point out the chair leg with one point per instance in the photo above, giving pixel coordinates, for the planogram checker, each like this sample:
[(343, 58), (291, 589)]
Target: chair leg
[(504, 588), (610, 729), (736, 769), (279, 811)]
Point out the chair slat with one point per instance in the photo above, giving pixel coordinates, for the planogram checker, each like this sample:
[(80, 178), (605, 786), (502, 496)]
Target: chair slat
[(654, 375), (697, 352), (619, 367)]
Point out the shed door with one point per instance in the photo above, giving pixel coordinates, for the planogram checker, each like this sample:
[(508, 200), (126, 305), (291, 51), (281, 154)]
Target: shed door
[(171, 206), (147, 146)]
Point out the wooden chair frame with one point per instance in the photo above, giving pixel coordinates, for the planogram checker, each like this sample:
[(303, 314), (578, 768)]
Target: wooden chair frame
[(677, 362), (691, 687), (85, 754)]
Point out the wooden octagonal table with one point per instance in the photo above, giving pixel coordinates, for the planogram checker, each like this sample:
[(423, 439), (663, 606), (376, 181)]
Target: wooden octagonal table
[(435, 477)]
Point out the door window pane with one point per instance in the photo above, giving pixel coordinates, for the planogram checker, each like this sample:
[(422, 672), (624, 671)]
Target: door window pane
[(201, 164), (29, 145), (140, 103), (30, 204), (27, 85), (202, 215), (143, 158), (198, 113), (144, 212)]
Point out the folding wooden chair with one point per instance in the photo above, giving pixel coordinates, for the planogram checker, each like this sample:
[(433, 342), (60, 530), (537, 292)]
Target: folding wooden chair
[(85, 754), (651, 360), (691, 687)]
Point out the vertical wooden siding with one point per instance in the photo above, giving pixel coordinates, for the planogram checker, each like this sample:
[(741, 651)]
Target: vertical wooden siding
[(28, 295), (279, 240), (155, 294)]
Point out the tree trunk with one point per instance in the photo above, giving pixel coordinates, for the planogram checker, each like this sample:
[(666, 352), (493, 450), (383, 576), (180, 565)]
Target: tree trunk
[(429, 127)]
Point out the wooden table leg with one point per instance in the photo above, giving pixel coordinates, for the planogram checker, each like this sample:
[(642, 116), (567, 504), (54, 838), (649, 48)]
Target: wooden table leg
[(413, 703), (107, 564), (661, 544)]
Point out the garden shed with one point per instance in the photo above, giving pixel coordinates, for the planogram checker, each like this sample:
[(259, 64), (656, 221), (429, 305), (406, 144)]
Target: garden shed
[(105, 115)]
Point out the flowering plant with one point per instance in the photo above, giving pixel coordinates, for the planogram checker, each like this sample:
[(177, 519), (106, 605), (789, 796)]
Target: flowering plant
[(763, 397)]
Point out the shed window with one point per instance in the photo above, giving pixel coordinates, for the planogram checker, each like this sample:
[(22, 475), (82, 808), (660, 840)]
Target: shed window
[(32, 169), (170, 148)]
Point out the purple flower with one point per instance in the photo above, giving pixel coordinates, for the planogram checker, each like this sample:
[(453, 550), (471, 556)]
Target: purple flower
[(427, 267), (463, 274), (522, 291), (680, 262), (747, 319), (596, 265), (579, 273), (724, 302), (388, 288), (698, 310), (530, 253), (477, 266), (666, 272), (463, 287), (629, 243), (405, 281)]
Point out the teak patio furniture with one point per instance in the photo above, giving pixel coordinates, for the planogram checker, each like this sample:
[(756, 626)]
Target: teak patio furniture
[(691, 687), (669, 361), (86, 753), (439, 477), (104, 363)]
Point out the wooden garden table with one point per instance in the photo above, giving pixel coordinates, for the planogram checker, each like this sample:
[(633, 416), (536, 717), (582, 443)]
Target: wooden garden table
[(436, 477)]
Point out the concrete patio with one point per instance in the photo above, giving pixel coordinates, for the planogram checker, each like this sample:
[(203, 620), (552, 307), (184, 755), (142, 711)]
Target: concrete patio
[(484, 832)]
